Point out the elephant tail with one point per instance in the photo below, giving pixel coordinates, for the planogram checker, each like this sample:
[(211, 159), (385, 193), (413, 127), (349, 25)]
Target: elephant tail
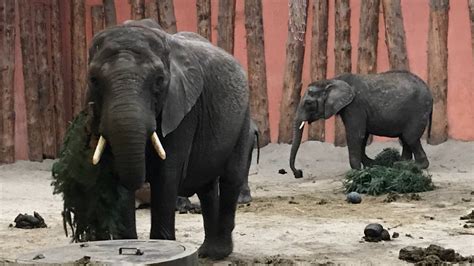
[(430, 122), (258, 146)]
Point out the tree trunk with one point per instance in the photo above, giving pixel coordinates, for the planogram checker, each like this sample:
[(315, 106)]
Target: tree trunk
[(151, 11), (166, 15), (203, 9), (471, 15), (342, 56), (225, 25), (137, 9), (79, 55), (7, 90), (438, 68), (57, 78), (395, 35), (46, 95), (97, 16), (35, 145), (257, 68), (109, 13), (368, 39), (293, 68), (319, 58)]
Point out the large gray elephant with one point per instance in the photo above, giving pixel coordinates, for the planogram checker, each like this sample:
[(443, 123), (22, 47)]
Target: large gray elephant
[(391, 104), (186, 99)]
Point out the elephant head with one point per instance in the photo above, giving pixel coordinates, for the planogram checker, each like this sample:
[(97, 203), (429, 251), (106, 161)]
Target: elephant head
[(323, 99), (142, 82)]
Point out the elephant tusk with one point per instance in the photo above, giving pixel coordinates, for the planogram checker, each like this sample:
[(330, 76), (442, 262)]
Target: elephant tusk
[(158, 147), (98, 150), (302, 124)]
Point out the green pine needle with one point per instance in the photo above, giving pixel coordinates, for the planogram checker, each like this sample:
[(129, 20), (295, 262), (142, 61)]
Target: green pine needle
[(92, 197), (388, 174)]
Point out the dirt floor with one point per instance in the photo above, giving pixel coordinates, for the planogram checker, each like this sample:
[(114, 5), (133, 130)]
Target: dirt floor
[(290, 220)]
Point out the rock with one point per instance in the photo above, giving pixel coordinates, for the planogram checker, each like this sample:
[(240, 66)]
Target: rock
[(354, 198), (430, 260), (385, 235), (411, 254), (282, 171), (395, 235), (373, 230)]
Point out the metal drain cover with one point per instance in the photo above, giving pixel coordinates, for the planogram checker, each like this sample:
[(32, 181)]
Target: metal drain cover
[(144, 252)]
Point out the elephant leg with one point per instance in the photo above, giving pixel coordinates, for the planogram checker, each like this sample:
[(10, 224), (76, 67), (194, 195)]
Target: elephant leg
[(420, 155), (244, 196), (127, 214), (163, 204), (407, 154), (209, 200), (354, 145), (366, 161)]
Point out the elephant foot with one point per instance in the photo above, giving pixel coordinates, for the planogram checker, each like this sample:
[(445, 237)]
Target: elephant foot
[(423, 164), (216, 250), (184, 205), (367, 162), (244, 197)]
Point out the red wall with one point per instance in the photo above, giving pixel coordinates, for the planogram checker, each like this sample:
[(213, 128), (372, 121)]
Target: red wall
[(275, 17)]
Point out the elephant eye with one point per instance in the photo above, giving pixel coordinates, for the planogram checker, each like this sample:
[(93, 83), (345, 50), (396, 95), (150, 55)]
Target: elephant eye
[(93, 81)]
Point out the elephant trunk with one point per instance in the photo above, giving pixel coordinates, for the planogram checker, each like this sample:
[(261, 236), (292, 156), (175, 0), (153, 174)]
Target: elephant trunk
[(297, 135)]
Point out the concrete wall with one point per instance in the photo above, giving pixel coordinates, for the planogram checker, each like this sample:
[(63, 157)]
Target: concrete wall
[(275, 16)]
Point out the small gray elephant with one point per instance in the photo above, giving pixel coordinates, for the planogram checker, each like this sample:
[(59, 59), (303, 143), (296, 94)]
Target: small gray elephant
[(392, 104)]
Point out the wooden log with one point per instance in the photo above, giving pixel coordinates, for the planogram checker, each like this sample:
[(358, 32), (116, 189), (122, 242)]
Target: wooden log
[(167, 16), (257, 68), (151, 11), (293, 68), (137, 10), (203, 9), (368, 39), (395, 35), (97, 17), (57, 77), (471, 16), (7, 89), (438, 68), (79, 55), (109, 13), (342, 56), (35, 146), (45, 91), (319, 58), (225, 25)]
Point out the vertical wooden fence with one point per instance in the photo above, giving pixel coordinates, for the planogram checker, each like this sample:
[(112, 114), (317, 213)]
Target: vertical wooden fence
[(54, 57)]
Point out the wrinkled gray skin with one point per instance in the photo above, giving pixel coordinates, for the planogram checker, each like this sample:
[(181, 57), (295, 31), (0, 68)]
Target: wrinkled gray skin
[(195, 96), (391, 104), (184, 204)]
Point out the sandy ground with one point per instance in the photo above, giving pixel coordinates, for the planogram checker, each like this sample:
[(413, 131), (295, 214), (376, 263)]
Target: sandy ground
[(271, 229)]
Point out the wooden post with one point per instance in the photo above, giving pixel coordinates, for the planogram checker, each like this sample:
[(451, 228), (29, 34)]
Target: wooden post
[(7, 90), (293, 68), (151, 11), (342, 56), (57, 78), (257, 68), (368, 39), (203, 9), (225, 25), (395, 35), (319, 58), (97, 16), (137, 9), (33, 122), (471, 16), (166, 15), (43, 72), (79, 55), (438, 68), (109, 13)]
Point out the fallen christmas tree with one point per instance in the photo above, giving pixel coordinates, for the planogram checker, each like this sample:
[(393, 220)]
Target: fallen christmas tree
[(91, 194), (388, 174)]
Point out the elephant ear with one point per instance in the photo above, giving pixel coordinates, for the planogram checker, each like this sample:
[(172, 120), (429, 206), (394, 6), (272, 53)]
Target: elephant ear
[(185, 86), (339, 94)]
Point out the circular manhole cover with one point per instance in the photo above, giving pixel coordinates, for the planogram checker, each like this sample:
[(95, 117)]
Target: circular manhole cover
[(146, 252)]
